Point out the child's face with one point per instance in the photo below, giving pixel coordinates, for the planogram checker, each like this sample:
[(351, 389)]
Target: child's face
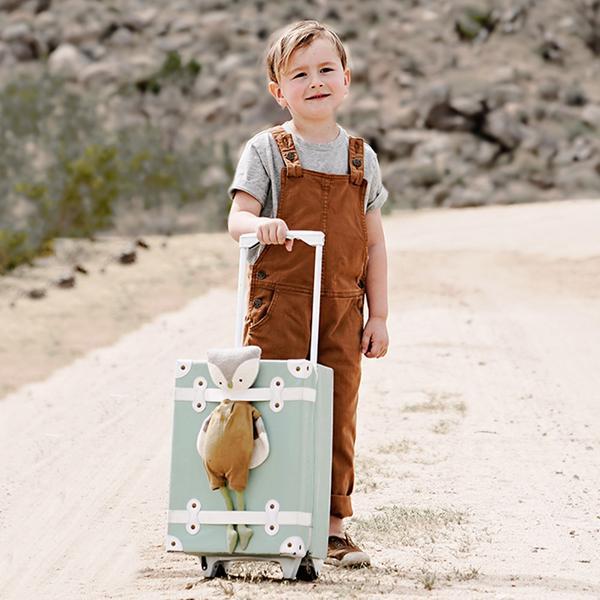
[(315, 70)]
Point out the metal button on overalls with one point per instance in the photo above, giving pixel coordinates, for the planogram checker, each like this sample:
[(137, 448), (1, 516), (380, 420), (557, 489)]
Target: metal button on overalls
[(333, 204)]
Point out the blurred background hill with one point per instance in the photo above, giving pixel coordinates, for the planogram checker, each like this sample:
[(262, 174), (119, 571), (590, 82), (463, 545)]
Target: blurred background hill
[(129, 115)]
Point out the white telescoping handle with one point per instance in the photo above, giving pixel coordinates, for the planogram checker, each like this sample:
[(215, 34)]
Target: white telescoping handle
[(313, 238)]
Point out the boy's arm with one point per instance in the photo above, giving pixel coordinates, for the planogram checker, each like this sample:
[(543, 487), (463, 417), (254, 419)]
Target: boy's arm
[(244, 218), (375, 339)]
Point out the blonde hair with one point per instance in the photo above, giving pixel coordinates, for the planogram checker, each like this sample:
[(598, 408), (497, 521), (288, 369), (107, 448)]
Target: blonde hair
[(298, 35)]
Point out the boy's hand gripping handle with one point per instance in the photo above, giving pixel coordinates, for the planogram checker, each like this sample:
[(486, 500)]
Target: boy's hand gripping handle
[(313, 238)]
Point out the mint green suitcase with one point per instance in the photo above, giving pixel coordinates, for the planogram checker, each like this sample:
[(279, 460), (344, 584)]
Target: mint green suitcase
[(288, 495)]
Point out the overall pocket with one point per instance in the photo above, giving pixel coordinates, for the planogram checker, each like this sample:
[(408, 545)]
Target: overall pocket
[(261, 306)]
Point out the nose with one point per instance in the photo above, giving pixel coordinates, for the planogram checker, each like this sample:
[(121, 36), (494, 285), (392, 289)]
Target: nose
[(230, 384), (316, 82)]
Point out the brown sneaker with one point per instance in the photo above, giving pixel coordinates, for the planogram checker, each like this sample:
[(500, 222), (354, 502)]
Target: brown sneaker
[(343, 552)]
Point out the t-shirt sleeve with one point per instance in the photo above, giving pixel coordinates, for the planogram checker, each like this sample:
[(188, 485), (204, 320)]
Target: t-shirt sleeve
[(377, 194), (251, 175)]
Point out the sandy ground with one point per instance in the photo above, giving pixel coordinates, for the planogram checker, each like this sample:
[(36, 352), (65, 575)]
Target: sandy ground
[(478, 452)]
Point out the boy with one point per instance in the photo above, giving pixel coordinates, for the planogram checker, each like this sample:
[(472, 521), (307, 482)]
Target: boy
[(309, 174)]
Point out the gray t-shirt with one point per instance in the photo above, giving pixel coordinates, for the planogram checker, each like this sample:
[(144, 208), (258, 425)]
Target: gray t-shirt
[(259, 169)]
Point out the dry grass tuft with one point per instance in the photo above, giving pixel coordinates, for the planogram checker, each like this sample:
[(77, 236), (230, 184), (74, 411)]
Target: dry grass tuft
[(409, 526), (437, 402)]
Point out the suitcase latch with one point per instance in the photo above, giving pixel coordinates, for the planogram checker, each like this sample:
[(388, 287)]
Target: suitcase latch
[(277, 385), (272, 517), (193, 523), (199, 388)]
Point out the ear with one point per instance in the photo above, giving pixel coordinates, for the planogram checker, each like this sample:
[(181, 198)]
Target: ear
[(245, 374), (276, 92), (217, 376), (347, 78)]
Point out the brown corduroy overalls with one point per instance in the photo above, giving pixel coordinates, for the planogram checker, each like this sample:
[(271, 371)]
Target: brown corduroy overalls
[(280, 300)]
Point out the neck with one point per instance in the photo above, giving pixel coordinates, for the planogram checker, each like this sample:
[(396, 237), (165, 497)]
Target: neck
[(317, 132)]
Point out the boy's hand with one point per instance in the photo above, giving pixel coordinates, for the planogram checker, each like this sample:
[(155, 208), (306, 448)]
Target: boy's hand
[(375, 338), (273, 231)]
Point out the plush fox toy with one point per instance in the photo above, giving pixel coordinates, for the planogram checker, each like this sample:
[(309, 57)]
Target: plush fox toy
[(233, 439)]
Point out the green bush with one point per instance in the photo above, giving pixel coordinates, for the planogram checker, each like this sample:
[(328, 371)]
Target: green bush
[(63, 173)]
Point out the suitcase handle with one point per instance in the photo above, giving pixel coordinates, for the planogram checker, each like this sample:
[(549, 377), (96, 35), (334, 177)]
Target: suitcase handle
[(312, 238)]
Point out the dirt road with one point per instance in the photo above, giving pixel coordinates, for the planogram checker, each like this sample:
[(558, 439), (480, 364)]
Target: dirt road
[(478, 453)]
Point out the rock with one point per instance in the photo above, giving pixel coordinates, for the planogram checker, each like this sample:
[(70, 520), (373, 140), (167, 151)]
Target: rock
[(207, 87), (424, 175), (475, 23), (499, 95), (400, 144), (17, 32), (549, 89), (462, 197), (123, 37), (100, 74), (5, 53), (436, 196), (246, 95), (36, 293), (591, 115), (141, 19), (479, 152), (67, 61), (574, 95), (444, 117), (81, 269), (532, 168), (396, 175), (21, 41), (504, 129), (516, 192), (551, 50), (432, 94), (403, 117), (360, 70), (579, 151), (66, 281), (23, 51), (366, 111), (11, 4), (578, 179), (127, 257), (209, 112), (469, 106), (185, 22)]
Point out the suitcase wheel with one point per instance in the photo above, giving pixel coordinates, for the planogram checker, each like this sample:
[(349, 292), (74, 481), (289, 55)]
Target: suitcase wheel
[(307, 571), (212, 567)]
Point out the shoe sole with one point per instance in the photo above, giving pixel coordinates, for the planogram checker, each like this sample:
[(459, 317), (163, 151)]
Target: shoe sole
[(350, 560)]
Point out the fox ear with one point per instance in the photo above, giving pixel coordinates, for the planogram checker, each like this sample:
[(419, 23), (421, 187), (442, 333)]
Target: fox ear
[(217, 376), (246, 373)]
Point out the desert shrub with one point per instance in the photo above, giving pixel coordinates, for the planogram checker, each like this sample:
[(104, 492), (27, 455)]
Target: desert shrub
[(475, 23), (63, 173), (172, 72)]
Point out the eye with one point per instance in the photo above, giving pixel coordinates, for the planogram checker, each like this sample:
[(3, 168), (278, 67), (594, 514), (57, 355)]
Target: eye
[(241, 380), (326, 69), (297, 75)]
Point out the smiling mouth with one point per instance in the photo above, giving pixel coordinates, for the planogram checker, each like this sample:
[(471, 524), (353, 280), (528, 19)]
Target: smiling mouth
[(319, 96)]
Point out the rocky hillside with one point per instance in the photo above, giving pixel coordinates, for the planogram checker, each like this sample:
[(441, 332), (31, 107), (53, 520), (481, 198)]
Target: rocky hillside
[(465, 104)]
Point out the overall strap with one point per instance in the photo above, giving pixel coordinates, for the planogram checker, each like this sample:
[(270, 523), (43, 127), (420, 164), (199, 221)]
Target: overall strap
[(356, 159), (285, 142)]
